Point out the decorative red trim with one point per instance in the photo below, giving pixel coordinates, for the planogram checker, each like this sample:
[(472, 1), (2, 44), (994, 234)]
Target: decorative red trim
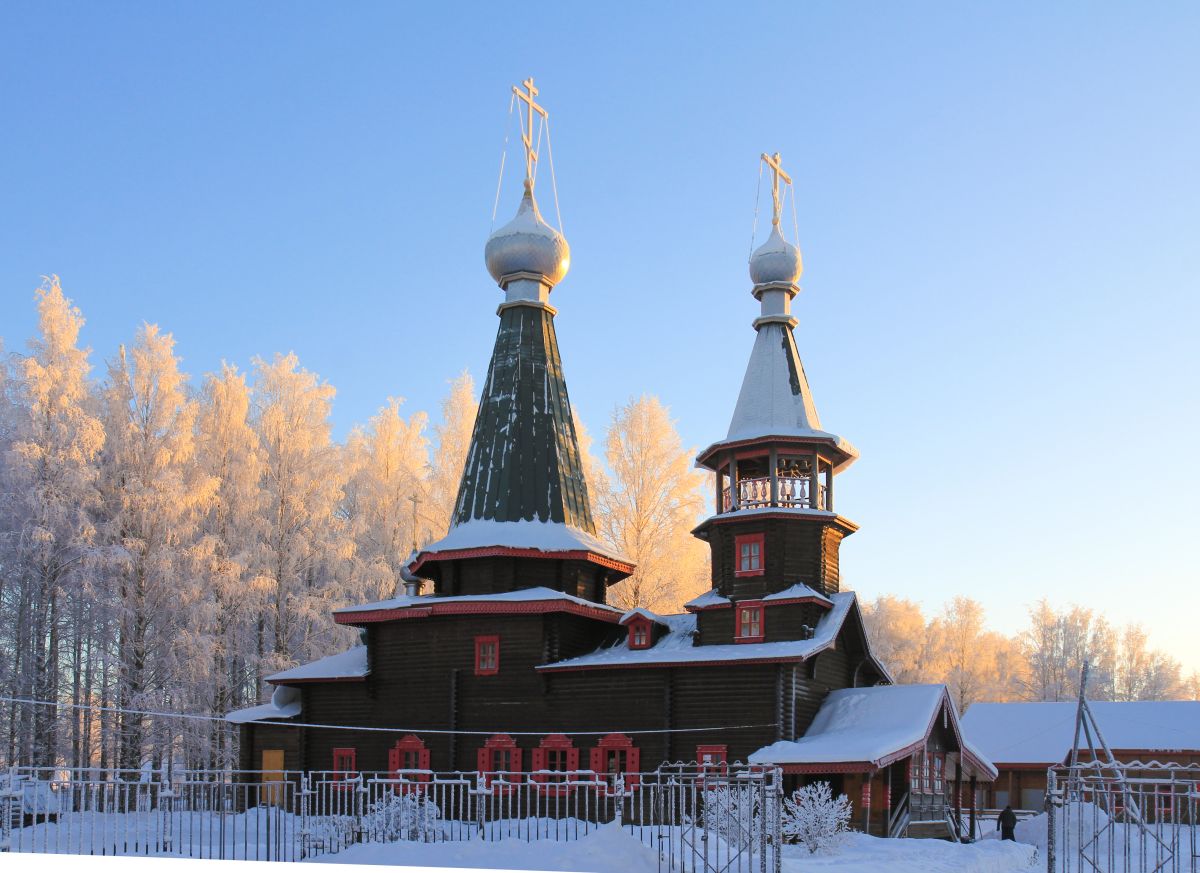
[(740, 617), (751, 454), (554, 743), (486, 762), (493, 607), (790, 659), (484, 665), (791, 601), (749, 540), (513, 552), (840, 767), (717, 758), (345, 763), (409, 744), (616, 743), (706, 455), (726, 605)]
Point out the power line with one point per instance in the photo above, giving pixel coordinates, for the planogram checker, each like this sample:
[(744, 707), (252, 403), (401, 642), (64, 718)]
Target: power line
[(386, 730)]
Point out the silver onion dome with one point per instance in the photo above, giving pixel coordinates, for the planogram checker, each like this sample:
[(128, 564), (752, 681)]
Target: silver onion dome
[(776, 261), (527, 245)]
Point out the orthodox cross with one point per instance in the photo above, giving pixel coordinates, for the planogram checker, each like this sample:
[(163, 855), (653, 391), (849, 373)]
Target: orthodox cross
[(527, 132), (777, 173)]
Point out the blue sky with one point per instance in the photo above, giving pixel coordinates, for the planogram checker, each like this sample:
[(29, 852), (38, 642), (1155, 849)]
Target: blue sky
[(997, 206)]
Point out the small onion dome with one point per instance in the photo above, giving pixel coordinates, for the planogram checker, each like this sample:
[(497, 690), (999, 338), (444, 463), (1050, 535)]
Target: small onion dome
[(527, 245), (776, 261)]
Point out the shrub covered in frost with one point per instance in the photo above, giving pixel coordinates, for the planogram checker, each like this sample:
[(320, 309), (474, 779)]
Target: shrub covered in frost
[(814, 817), (732, 813), (410, 816)]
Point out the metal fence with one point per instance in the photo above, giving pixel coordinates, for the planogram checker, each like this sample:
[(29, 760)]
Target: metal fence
[(696, 819), (1123, 818)]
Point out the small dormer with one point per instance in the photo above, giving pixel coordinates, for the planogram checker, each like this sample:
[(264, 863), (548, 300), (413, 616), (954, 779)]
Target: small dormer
[(643, 628)]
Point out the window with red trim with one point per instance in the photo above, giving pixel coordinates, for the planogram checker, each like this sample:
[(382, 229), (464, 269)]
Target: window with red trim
[(344, 763), (712, 759), (749, 555), (408, 755), (749, 622), (615, 755), (487, 656), (499, 755), (639, 633), (553, 760)]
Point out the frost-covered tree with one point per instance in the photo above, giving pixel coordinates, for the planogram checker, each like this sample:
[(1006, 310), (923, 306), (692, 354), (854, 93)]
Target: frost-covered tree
[(816, 819), (388, 462), (49, 484), (154, 497), (229, 554), (452, 438), (896, 629), (305, 536), (648, 506)]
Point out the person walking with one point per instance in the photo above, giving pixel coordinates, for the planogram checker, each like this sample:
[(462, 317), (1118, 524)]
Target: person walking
[(1006, 823)]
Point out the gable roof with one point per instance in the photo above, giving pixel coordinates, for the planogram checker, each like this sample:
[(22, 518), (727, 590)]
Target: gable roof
[(521, 600), (348, 665), (872, 727), (1042, 733)]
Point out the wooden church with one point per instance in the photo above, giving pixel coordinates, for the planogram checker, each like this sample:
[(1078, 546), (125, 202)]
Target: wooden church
[(503, 654)]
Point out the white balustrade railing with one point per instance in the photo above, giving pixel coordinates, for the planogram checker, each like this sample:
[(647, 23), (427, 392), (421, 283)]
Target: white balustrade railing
[(793, 492)]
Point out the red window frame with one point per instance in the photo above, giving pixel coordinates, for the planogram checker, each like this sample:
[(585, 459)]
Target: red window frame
[(617, 747), (639, 633), (409, 749), (749, 541), (484, 665), (746, 614), (713, 759), (345, 763), (554, 749), (488, 762)]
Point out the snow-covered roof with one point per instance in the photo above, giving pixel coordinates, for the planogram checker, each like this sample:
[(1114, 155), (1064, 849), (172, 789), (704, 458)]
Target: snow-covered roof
[(350, 664), (796, 592), (1043, 733), (639, 611), (775, 399), (873, 726), (284, 703), (708, 598), (544, 536), (521, 595), (677, 646)]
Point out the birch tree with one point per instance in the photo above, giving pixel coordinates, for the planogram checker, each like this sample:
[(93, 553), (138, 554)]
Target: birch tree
[(155, 494), (51, 485), (896, 629), (388, 461), (648, 507), (452, 438), (305, 535)]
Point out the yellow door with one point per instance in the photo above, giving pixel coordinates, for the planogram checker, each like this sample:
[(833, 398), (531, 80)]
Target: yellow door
[(272, 772)]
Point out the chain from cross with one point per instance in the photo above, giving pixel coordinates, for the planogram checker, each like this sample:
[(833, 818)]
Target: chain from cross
[(527, 130), (777, 173)]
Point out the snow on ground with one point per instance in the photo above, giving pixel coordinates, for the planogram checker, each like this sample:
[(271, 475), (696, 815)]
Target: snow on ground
[(606, 849), (1122, 847), (612, 850)]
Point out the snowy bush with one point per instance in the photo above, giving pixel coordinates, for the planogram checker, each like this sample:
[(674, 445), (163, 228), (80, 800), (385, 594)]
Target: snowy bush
[(411, 816), (813, 816), (732, 813)]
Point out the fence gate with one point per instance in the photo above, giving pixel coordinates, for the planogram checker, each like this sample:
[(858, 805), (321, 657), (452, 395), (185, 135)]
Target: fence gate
[(1132, 817)]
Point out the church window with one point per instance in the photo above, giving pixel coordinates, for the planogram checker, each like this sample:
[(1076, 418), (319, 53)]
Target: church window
[(344, 764), (750, 553), (639, 634), (499, 755), (553, 759), (409, 754), (749, 622), (487, 656), (615, 755)]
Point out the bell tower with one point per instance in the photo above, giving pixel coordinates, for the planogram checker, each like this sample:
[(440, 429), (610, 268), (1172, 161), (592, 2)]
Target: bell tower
[(776, 533)]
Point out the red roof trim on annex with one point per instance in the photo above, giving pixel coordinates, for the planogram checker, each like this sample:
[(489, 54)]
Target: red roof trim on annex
[(317, 680), (494, 607), (718, 662), (514, 552)]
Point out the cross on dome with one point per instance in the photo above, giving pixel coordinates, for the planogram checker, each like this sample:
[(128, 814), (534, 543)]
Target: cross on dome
[(527, 97), (776, 164)]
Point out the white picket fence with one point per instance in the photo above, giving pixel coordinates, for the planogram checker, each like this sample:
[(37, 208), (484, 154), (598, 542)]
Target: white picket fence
[(696, 819)]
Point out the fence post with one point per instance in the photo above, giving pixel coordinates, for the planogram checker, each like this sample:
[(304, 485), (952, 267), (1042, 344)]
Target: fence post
[(305, 834), (1051, 841), (10, 793), (165, 797)]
